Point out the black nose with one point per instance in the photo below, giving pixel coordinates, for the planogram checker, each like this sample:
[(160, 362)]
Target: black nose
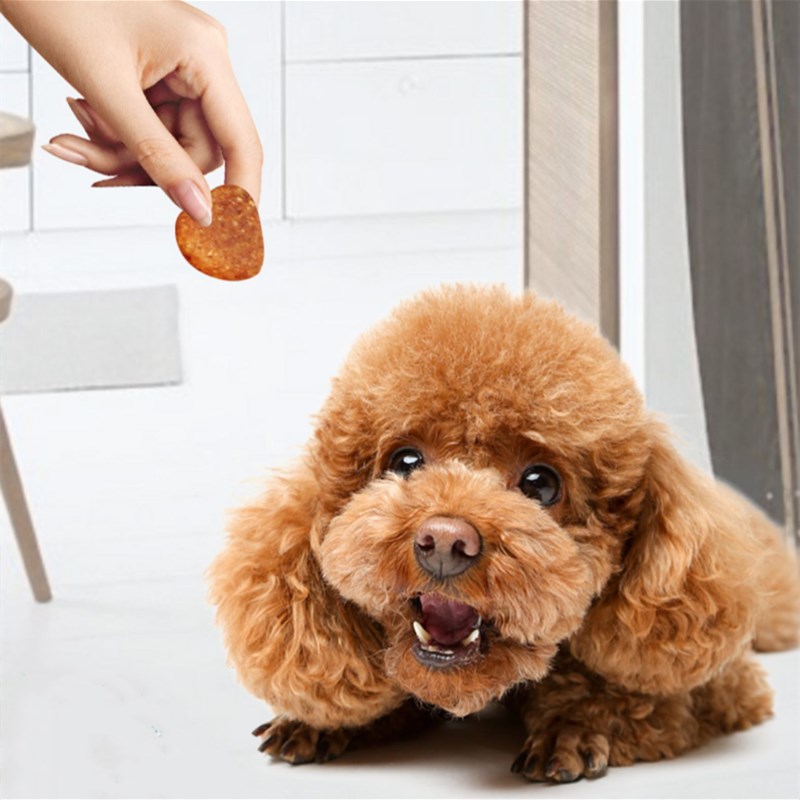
[(446, 546)]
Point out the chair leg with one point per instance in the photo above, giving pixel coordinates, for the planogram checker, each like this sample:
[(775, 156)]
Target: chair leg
[(21, 522)]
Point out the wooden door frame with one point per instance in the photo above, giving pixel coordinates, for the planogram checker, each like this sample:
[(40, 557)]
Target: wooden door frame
[(571, 240)]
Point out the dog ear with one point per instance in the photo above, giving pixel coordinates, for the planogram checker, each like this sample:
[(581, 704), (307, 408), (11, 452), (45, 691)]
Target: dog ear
[(294, 642), (684, 601)]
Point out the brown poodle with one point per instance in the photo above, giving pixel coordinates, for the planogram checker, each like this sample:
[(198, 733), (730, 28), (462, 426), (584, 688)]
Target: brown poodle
[(485, 511)]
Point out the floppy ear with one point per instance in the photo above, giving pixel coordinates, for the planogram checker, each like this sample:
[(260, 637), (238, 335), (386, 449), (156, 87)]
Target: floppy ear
[(293, 640), (685, 600)]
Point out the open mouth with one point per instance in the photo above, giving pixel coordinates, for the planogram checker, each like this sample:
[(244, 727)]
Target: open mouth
[(448, 632)]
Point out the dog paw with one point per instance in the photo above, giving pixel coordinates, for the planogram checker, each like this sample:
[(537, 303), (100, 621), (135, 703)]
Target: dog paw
[(298, 743), (563, 756)]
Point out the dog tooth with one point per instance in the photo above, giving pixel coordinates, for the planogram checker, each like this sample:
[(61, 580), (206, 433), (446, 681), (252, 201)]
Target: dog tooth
[(422, 634), (435, 648), (470, 638)]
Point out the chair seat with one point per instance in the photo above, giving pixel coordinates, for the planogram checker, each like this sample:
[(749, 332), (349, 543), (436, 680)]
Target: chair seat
[(16, 140), (6, 294)]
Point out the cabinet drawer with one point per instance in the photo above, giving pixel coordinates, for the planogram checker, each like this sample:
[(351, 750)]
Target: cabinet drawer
[(15, 199), (13, 49), (335, 30), (403, 136), (63, 197), (256, 52)]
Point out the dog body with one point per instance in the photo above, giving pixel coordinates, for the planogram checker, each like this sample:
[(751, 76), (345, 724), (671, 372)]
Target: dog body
[(487, 511)]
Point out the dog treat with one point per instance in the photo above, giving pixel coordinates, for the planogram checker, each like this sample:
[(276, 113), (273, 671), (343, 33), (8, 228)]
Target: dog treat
[(232, 247)]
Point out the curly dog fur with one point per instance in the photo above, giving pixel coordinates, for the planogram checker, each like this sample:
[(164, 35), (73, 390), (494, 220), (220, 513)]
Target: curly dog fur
[(616, 621)]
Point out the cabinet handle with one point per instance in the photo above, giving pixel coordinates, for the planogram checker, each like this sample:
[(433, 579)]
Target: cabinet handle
[(407, 85)]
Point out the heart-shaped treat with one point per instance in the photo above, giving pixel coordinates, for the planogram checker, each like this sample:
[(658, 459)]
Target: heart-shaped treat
[(232, 247)]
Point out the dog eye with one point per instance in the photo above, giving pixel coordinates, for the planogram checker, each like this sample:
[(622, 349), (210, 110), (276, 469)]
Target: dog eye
[(541, 483), (405, 460)]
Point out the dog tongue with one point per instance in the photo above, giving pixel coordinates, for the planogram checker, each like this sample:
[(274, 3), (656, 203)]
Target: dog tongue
[(446, 620)]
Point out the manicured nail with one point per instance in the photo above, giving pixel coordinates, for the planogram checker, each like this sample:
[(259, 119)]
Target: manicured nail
[(187, 196), (83, 116), (64, 153)]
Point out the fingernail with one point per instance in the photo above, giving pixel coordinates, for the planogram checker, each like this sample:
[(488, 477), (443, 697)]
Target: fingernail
[(64, 153), (187, 196), (84, 117)]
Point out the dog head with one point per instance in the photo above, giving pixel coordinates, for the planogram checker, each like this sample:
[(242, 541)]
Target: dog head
[(478, 460), (483, 487)]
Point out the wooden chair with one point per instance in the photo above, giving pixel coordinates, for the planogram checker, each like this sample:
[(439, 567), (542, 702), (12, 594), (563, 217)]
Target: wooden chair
[(16, 139)]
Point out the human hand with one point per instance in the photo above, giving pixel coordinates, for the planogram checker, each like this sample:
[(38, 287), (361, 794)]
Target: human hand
[(160, 101)]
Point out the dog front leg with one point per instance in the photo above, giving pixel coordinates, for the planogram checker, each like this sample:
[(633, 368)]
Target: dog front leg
[(299, 743), (578, 724)]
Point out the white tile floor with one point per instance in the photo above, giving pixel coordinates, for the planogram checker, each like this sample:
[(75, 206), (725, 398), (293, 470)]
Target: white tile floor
[(119, 688)]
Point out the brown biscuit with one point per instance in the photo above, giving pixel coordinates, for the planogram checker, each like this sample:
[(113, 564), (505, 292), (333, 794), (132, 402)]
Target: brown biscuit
[(232, 247)]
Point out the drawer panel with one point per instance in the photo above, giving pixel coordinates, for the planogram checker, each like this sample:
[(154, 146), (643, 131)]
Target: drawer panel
[(15, 199), (336, 30), (407, 136), (13, 49)]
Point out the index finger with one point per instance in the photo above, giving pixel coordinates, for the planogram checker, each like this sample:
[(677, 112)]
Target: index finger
[(229, 120)]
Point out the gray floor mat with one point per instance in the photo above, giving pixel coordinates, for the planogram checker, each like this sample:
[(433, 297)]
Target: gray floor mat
[(90, 340)]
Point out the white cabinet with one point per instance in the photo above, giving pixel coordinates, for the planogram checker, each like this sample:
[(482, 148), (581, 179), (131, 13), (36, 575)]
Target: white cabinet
[(13, 49), (15, 198), (398, 107), (396, 136), (63, 197), (15, 195), (362, 107), (334, 31)]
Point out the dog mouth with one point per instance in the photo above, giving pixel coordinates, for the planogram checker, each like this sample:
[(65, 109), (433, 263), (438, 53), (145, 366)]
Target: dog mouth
[(448, 632)]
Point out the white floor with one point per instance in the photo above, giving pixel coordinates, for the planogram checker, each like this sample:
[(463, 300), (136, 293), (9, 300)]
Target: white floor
[(118, 688)]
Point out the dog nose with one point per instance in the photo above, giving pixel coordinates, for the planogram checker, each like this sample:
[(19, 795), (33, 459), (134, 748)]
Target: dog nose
[(446, 546)]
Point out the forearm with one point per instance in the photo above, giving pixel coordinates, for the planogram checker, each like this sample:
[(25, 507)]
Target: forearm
[(112, 54), (82, 41)]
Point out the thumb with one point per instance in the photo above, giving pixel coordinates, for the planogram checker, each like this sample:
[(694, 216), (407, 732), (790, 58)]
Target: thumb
[(157, 151)]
